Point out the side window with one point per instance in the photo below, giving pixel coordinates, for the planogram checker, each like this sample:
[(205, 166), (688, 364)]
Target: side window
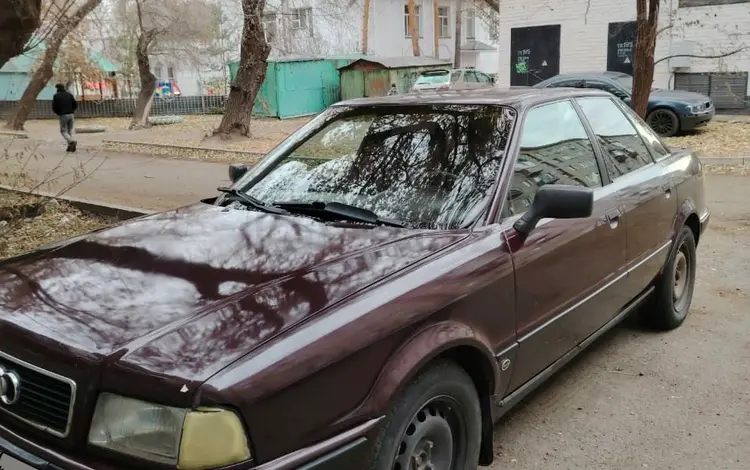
[(483, 78), (658, 149), (608, 87), (470, 77), (555, 149), (455, 76), (623, 148), (573, 83)]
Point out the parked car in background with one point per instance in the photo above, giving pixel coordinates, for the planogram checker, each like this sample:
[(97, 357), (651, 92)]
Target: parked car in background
[(669, 111), (456, 79), (374, 294)]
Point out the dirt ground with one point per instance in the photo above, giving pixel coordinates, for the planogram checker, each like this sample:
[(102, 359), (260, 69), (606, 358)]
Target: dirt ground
[(639, 399)]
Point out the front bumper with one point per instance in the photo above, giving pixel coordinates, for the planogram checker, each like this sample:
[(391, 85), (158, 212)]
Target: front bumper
[(697, 120), (346, 451)]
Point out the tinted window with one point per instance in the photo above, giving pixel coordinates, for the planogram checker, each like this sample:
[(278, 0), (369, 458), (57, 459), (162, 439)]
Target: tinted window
[(608, 87), (658, 149), (623, 149), (555, 149), (428, 168), (470, 77), (573, 83)]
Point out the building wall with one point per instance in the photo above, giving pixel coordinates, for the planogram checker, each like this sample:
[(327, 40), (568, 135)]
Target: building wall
[(584, 33), (387, 35)]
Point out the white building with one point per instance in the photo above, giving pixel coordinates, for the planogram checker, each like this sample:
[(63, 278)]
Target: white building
[(389, 31), (540, 38)]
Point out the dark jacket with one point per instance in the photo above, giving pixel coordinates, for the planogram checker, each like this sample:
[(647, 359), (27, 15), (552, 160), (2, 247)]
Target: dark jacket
[(63, 103)]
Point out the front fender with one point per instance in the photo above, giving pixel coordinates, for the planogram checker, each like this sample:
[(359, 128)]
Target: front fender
[(426, 345)]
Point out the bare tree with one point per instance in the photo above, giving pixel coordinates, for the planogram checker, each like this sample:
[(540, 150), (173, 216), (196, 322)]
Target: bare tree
[(365, 26), (18, 22), (458, 34), (647, 20), (64, 23), (254, 52)]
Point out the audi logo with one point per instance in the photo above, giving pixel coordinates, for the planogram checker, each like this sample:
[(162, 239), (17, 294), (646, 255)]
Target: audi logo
[(10, 387)]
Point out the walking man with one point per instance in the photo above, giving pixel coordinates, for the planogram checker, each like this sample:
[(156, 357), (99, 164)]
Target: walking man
[(64, 105)]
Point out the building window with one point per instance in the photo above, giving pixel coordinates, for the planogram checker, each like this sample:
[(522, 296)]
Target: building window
[(302, 18), (444, 21), (158, 71), (170, 73), (705, 3), (270, 27), (418, 15), (470, 24)]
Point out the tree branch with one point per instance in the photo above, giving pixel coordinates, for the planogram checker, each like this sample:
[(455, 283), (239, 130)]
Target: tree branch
[(698, 56)]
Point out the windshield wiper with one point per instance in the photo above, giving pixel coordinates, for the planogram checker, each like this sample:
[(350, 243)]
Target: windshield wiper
[(338, 211), (249, 201)]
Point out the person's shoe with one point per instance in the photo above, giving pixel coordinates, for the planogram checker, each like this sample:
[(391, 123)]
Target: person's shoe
[(70, 147), (73, 146)]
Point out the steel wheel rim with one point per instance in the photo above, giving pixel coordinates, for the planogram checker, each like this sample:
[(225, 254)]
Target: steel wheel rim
[(680, 279), (433, 438), (662, 122)]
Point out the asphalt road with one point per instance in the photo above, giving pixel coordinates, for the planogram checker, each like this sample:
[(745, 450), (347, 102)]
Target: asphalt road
[(636, 399)]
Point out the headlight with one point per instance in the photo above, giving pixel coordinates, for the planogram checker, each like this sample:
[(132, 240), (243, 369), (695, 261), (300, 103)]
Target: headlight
[(190, 439), (695, 108)]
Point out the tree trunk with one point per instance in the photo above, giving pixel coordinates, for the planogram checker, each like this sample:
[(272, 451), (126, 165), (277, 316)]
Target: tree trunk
[(457, 47), (365, 27), (252, 71), (148, 82), (647, 20), (413, 29), (17, 24), (42, 75), (435, 29)]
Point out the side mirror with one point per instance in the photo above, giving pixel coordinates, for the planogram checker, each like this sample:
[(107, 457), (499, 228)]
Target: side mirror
[(237, 171), (556, 201)]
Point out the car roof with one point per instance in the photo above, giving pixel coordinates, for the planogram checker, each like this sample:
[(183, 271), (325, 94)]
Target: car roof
[(518, 97), (605, 74)]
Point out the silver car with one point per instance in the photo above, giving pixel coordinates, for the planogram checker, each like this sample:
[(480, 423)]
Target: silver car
[(456, 79)]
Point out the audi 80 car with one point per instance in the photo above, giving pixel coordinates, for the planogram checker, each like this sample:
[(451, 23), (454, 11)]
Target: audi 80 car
[(374, 294)]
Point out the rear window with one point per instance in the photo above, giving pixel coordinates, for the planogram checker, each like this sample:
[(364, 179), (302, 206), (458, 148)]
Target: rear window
[(432, 78)]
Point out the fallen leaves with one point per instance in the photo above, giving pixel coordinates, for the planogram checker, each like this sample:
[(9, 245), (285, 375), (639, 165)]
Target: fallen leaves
[(718, 139), (58, 221)]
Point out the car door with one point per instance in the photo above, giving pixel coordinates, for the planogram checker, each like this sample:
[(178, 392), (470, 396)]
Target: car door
[(471, 79), (568, 272), (643, 187)]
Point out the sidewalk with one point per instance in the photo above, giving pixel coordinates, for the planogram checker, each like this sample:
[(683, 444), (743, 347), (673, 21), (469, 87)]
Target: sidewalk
[(134, 180)]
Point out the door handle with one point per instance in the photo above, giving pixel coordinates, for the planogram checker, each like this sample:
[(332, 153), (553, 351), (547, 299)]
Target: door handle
[(667, 188), (612, 217)]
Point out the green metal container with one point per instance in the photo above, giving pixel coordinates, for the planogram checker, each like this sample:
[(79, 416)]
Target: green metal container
[(373, 76)]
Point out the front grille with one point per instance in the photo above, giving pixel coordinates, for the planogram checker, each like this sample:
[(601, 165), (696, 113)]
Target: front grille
[(45, 399)]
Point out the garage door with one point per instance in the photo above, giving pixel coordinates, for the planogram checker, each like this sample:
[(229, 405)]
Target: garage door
[(727, 90), (620, 47), (534, 54)]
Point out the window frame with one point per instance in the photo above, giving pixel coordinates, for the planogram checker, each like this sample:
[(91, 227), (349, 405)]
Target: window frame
[(418, 15), (470, 17), (301, 18), (502, 214), (618, 103), (643, 128), (447, 25)]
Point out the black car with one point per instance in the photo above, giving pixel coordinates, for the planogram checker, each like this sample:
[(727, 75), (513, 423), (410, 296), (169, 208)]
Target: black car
[(669, 111)]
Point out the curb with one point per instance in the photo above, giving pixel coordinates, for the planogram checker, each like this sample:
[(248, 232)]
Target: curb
[(725, 160), (93, 207), (182, 152), (14, 134)]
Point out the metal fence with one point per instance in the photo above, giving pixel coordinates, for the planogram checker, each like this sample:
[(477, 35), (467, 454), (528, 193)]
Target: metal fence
[(181, 105)]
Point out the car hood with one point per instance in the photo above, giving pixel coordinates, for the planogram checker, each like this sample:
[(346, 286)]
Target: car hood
[(677, 95), (184, 293)]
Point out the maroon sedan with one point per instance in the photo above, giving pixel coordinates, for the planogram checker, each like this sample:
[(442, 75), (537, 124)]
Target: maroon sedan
[(374, 294)]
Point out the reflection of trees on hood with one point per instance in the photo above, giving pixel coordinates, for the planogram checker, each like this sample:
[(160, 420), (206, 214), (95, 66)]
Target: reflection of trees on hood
[(214, 286)]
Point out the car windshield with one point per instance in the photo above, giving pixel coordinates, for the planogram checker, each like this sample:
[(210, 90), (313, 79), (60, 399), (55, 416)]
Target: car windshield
[(433, 78), (425, 167)]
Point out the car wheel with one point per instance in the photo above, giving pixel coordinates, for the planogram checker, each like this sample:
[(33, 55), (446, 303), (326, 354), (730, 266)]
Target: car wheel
[(674, 289), (664, 122), (436, 424)]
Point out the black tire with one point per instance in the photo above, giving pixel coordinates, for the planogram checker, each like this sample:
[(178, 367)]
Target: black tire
[(437, 416), (675, 286), (664, 122)]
